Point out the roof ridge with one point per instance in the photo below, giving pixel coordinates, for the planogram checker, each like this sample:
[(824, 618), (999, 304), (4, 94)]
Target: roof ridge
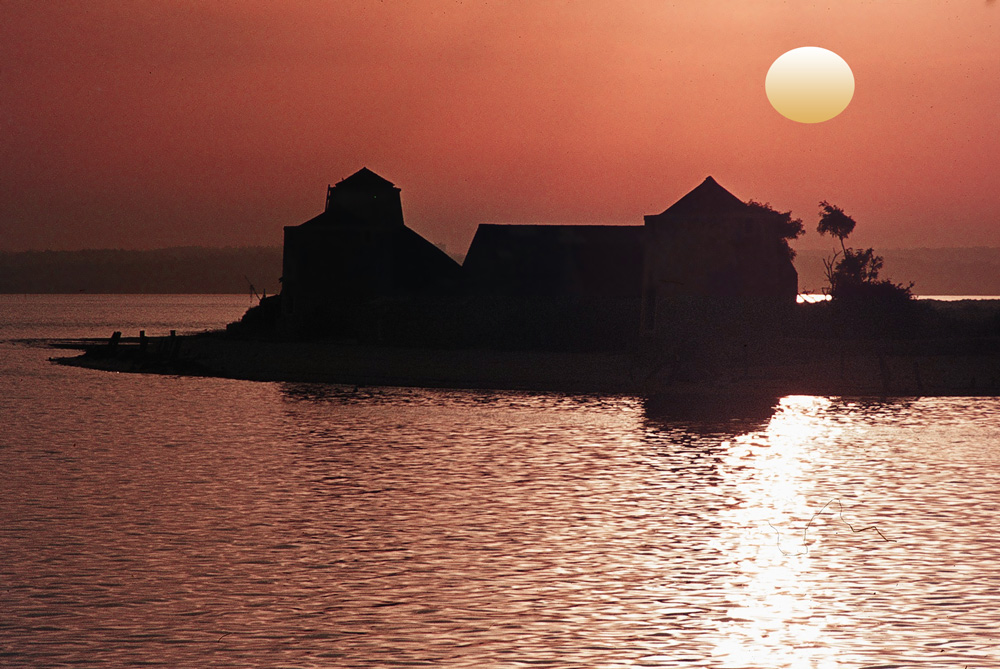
[(364, 178), (709, 194)]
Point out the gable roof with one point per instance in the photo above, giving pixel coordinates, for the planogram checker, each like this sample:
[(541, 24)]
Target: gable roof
[(364, 179), (707, 198), (333, 216)]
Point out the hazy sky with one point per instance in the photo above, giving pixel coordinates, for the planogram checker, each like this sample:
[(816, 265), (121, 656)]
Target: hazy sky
[(147, 124)]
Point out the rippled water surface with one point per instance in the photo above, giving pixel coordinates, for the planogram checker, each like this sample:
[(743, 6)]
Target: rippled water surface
[(206, 522)]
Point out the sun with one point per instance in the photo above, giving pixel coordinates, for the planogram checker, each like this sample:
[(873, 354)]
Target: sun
[(809, 84)]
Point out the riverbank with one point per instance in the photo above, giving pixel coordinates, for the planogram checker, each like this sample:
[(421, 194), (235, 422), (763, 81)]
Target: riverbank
[(355, 364), (956, 365)]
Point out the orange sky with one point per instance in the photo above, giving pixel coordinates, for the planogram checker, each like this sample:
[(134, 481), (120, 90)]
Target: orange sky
[(147, 124)]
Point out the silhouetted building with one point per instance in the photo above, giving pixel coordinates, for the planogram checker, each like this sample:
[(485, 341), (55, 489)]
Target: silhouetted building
[(570, 261), (554, 286), (718, 280), (710, 244), (356, 270), (357, 251)]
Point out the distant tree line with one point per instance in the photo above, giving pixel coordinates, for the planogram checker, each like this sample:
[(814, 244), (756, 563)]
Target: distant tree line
[(173, 270), (949, 271)]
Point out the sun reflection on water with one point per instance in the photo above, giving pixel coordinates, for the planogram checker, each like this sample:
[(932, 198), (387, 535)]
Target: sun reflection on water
[(774, 617)]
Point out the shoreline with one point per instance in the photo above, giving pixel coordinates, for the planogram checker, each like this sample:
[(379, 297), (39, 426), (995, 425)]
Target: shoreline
[(953, 367)]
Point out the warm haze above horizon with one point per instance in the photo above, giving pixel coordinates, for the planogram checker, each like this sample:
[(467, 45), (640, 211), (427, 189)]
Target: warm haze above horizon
[(147, 124)]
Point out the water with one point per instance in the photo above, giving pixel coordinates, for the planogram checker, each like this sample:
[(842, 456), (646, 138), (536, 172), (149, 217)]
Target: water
[(190, 522), (812, 298)]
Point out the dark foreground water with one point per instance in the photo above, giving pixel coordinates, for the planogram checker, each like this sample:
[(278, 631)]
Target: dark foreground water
[(204, 522)]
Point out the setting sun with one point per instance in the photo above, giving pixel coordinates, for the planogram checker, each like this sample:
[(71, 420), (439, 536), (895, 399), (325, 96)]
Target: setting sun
[(809, 84)]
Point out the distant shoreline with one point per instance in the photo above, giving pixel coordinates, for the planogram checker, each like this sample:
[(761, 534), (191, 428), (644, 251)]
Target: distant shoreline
[(231, 271)]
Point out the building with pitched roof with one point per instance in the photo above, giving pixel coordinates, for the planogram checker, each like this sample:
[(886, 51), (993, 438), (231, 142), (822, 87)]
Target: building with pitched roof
[(718, 280), (356, 251), (710, 244), (357, 270)]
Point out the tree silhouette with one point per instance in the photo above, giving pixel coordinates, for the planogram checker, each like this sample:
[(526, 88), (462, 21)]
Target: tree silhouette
[(835, 222), (782, 224), (855, 275), (855, 269)]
